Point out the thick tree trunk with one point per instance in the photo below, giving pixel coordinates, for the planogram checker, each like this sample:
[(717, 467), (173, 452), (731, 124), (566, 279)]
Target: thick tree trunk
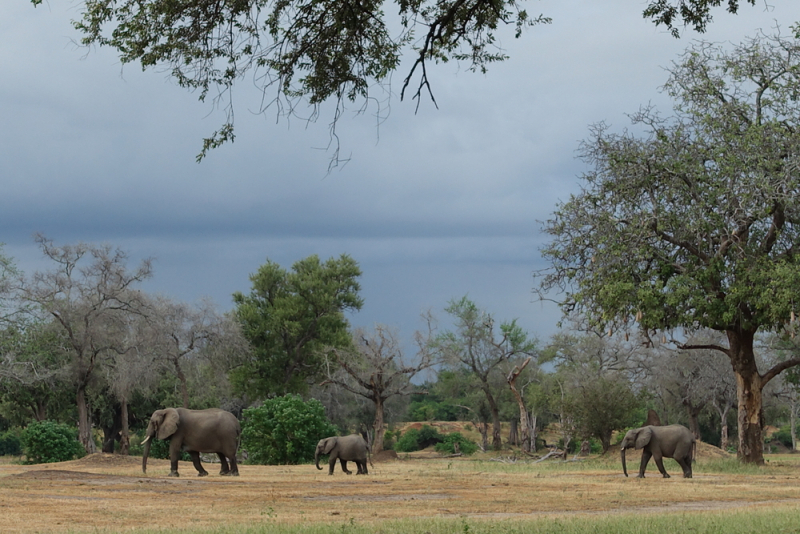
[(84, 422), (513, 436), (497, 441), (693, 412), (377, 443), (184, 387), (748, 391), (793, 422)]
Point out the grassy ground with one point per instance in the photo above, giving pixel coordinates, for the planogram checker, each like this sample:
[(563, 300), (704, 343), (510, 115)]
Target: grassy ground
[(419, 493)]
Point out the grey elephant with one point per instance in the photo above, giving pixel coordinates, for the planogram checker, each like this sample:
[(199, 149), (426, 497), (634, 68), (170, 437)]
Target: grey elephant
[(195, 431), (672, 441), (344, 448)]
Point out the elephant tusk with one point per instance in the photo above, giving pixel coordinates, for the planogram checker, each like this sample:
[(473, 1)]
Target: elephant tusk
[(146, 440)]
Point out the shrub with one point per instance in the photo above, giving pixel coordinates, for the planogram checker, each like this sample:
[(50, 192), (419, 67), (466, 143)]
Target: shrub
[(416, 440), (284, 430), (447, 446), (47, 441), (10, 443)]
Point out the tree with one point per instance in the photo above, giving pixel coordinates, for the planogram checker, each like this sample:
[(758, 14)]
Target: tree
[(306, 52), (695, 13), (375, 369), (474, 345), (290, 318), (90, 295), (695, 223)]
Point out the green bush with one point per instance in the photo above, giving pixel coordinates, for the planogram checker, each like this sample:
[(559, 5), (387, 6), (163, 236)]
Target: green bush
[(47, 441), (416, 440), (284, 430), (447, 446), (11, 443), (389, 439)]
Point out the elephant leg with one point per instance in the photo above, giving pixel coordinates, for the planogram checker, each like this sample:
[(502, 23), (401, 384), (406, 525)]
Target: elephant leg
[(645, 458), (362, 467), (224, 469), (660, 464), (686, 465), (197, 465), (234, 466), (344, 466), (332, 463), (174, 454)]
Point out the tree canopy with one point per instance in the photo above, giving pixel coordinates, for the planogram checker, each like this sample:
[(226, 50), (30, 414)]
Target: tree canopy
[(302, 53), (695, 223), (290, 319)]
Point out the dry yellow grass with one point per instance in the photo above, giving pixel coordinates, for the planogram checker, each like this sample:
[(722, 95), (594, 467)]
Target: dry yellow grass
[(107, 492)]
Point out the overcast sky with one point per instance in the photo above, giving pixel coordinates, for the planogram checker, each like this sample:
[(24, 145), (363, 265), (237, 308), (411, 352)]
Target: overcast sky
[(434, 205)]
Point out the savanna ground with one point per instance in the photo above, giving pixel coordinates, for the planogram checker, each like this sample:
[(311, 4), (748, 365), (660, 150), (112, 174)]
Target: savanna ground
[(420, 492)]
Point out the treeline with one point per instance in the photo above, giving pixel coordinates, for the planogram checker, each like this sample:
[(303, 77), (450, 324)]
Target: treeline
[(83, 345)]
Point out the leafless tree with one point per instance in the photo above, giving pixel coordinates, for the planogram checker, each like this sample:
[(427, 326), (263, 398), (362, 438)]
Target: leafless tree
[(174, 332), (90, 294), (376, 369)]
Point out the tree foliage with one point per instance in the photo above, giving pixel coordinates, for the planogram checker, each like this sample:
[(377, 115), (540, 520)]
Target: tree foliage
[(299, 51), (284, 430), (695, 224), (694, 13), (290, 318)]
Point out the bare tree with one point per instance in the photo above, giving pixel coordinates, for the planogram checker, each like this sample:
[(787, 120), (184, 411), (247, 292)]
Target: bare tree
[(174, 332), (90, 294), (475, 345), (375, 369)]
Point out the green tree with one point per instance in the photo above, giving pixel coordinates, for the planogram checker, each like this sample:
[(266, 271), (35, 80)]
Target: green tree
[(284, 430), (475, 346), (300, 51), (695, 13), (695, 223), (290, 318)]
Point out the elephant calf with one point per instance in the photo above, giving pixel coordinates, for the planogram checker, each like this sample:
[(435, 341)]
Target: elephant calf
[(673, 441), (343, 448)]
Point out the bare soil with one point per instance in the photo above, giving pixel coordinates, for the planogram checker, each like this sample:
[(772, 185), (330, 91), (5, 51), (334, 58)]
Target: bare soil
[(105, 492)]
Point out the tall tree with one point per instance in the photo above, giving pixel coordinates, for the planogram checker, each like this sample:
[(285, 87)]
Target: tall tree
[(477, 347), (375, 369), (290, 318), (305, 52), (90, 295), (695, 223)]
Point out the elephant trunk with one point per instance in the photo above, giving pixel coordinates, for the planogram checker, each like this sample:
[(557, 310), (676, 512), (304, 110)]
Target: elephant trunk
[(316, 460), (145, 453), (624, 467)]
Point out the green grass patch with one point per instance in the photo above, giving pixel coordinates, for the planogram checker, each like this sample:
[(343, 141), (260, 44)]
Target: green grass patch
[(775, 519)]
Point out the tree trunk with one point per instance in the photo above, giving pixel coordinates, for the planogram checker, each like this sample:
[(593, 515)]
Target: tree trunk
[(84, 422), (793, 421), (497, 441), (184, 387), (377, 443), (531, 432), (124, 436), (513, 438), (525, 430), (749, 395), (694, 416)]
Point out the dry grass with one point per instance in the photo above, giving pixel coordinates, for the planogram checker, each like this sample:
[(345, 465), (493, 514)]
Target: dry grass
[(109, 493)]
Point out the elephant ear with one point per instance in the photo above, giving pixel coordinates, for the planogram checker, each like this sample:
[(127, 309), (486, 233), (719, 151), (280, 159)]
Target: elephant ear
[(643, 438), (330, 443), (169, 423)]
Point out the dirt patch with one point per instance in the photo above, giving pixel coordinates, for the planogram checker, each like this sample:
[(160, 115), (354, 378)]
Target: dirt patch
[(103, 493), (384, 456)]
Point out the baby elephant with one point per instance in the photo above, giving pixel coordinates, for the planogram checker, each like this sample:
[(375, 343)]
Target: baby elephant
[(673, 441), (343, 448)]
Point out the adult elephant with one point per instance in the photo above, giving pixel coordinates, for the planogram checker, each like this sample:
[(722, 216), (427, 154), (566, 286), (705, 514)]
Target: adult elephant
[(195, 431), (344, 448), (672, 441)]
